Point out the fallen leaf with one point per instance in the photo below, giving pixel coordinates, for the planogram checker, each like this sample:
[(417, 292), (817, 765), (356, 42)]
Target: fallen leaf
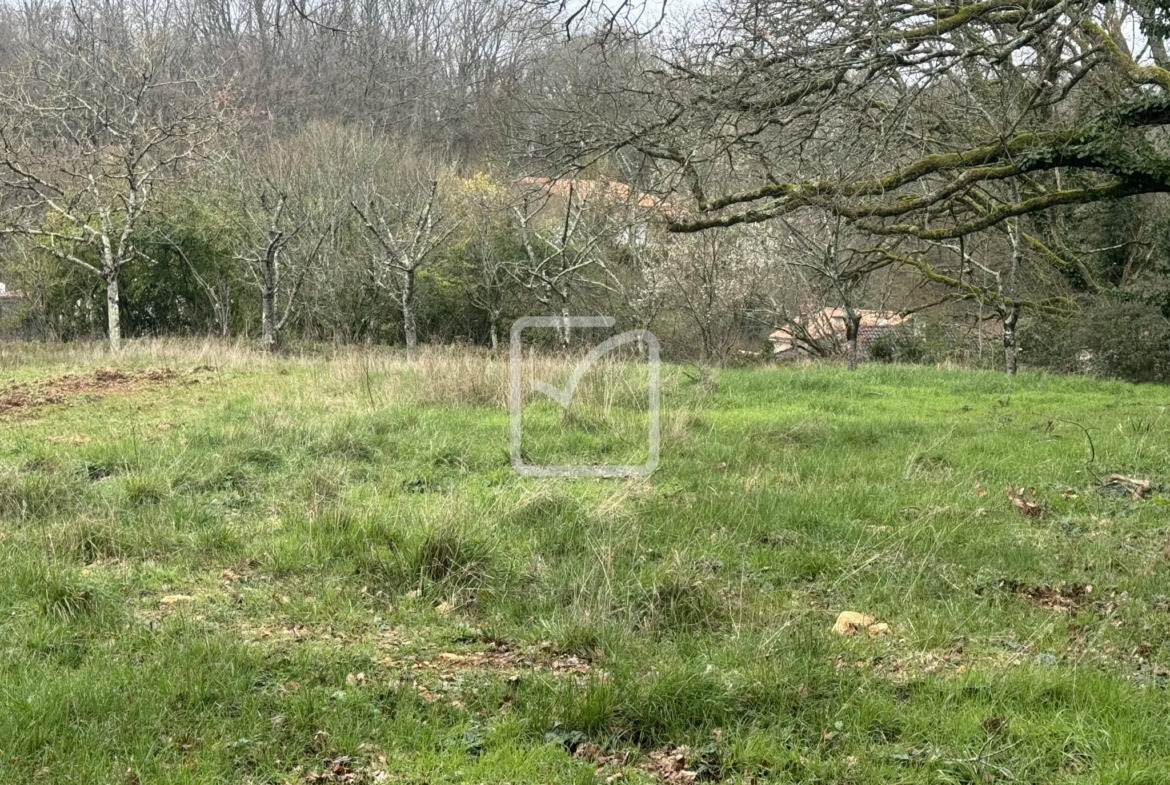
[(1061, 597), (171, 599), (669, 765), (1136, 487), (1025, 501)]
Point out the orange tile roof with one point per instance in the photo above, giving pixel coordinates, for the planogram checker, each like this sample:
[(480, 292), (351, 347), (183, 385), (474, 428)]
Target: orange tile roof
[(608, 189), (829, 321)]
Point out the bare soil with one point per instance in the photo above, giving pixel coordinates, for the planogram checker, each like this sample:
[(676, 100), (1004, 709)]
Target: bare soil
[(24, 396)]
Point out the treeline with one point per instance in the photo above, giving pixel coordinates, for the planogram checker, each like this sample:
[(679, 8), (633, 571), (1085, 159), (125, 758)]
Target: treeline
[(358, 172), (428, 170)]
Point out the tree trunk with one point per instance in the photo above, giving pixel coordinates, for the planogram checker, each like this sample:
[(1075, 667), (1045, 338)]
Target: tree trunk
[(979, 333), (409, 326), (852, 334), (113, 314), (565, 335), (268, 302), (1010, 351), (223, 313), (494, 327), (1011, 316), (268, 319)]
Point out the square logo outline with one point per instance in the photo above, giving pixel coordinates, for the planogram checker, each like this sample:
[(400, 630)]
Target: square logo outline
[(564, 396)]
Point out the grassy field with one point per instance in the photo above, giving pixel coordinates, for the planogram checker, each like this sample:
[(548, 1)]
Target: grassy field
[(221, 568)]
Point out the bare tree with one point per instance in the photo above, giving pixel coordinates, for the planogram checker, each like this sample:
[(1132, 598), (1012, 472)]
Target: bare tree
[(404, 217), (818, 248), (95, 120), (279, 224), (906, 122), (775, 89), (716, 282), (562, 225), (265, 261), (487, 245)]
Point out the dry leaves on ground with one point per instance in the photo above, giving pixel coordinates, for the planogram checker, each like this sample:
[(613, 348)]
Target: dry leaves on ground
[(1025, 500), (669, 764), (344, 769), (1062, 597), (1135, 487)]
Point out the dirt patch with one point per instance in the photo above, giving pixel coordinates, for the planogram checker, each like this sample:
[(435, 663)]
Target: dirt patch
[(25, 396)]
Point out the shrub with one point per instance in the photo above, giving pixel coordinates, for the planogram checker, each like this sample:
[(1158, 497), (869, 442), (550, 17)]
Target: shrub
[(1113, 335), (905, 345), (680, 603), (1127, 340), (1052, 342)]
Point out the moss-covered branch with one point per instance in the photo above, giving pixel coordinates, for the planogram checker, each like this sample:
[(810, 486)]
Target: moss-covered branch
[(965, 290), (1112, 190), (1138, 74)]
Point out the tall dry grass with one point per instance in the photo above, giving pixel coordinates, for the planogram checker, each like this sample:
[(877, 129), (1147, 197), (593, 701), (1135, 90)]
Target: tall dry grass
[(442, 375), (154, 352), (445, 375)]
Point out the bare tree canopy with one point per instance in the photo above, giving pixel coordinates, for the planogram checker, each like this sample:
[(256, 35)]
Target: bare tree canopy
[(93, 125), (907, 119)]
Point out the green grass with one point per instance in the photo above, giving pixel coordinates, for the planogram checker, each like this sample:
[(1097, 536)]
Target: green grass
[(243, 573)]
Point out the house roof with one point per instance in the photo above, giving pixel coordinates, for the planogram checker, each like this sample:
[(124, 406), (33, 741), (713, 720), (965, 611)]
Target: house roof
[(830, 321), (611, 190)]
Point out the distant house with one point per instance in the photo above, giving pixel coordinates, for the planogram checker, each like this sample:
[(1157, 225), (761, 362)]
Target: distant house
[(825, 328), (613, 194), (9, 297), (10, 301)]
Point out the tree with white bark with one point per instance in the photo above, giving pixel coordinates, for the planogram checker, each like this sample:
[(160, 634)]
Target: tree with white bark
[(94, 124), (401, 209)]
